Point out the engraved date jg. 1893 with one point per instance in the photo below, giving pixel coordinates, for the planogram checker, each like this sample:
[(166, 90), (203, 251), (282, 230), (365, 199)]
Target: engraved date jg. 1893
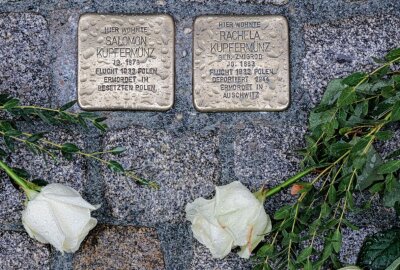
[(241, 63)]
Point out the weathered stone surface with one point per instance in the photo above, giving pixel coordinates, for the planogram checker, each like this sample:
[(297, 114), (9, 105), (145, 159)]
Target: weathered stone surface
[(176, 240), (375, 219), (63, 27), (184, 165), (24, 69), (339, 48), (120, 247), (265, 155), (202, 259), (387, 147), (352, 242), (274, 2), (19, 251), (71, 173)]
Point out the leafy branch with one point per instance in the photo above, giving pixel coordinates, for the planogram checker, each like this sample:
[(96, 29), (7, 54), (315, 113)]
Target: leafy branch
[(37, 143), (354, 114)]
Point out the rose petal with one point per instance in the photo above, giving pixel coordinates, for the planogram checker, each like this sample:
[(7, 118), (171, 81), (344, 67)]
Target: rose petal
[(64, 194), (262, 225), (72, 220), (72, 245), (235, 209), (206, 228), (42, 225)]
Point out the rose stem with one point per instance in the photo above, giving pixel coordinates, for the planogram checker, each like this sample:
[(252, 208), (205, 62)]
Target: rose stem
[(18, 180), (289, 181)]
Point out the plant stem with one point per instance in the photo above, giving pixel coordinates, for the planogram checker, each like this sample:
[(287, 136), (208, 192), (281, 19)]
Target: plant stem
[(103, 161), (81, 153), (2, 134), (18, 180), (290, 181)]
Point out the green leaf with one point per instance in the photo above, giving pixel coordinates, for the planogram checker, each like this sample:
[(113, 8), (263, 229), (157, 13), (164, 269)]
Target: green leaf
[(394, 154), (389, 167), (82, 121), (283, 212), (100, 119), (35, 137), (332, 195), (337, 240), (13, 133), (376, 188), (395, 116), (304, 254), (364, 88), (330, 127), (381, 72), (88, 115), (46, 117), (265, 250), (11, 104), (350, 225), (6, 126), (67, 105), (384, 135), (380, 250), (40, 182), (390, 182), (345, 130), (67, 117), (368, 174), (318, 118), (391, 195), (260, 267), (393, 54), (4, 98), (350, 200), (347, 97), (337, 149), (335, 262), (21, 172), (115, 166), (102, 127), (325, 210), (328, 249), (361, 109), (117, 150), (355, 78), (360, 146), (308, 265), (69, 148), (9, 143), (332, 92)]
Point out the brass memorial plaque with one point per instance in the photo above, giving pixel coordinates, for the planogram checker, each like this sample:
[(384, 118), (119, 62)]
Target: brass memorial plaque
[(126, 62), (241, 63)]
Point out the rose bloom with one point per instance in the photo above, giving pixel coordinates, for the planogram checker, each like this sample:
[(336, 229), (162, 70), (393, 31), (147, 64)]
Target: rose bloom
[(60, 216), (234, 217)]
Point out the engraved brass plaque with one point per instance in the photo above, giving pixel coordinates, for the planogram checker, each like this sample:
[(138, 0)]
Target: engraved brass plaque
[(126, 62), (241, 63)]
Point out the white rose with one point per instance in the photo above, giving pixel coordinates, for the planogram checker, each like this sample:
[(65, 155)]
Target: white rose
[(60, 216), (234, 217)]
